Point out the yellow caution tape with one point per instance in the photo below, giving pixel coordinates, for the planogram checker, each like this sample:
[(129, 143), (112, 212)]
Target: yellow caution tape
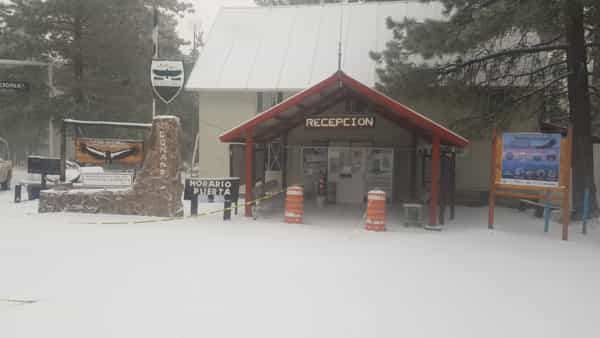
[(206, 213)]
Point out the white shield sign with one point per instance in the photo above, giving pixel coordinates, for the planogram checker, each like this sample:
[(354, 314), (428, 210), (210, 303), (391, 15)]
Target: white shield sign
[(167, 79)]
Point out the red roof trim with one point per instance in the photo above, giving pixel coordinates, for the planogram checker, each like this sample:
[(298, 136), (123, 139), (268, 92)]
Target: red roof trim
[(406, 112), (398, 109), (270, 113)]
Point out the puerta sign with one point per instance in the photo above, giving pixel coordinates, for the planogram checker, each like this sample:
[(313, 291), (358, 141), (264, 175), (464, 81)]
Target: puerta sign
[(339, 122), (226, 187), (167, 78), (531, 159)]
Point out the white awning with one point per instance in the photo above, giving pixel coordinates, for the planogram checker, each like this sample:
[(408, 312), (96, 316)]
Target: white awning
[(289, 48)]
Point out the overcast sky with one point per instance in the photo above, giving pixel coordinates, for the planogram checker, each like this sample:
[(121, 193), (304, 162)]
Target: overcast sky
[(206, 10)]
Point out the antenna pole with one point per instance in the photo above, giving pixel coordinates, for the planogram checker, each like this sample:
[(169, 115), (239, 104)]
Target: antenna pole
[(340, 36), (340, 55)]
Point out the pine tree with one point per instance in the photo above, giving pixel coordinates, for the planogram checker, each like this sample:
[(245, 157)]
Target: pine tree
[(533, 48), (103, 48)]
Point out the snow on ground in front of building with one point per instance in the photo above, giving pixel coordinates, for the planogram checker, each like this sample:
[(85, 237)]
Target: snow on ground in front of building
[(203, 277)]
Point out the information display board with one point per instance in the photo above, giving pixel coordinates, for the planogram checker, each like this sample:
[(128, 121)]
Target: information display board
[(533, 167), (530, 159)]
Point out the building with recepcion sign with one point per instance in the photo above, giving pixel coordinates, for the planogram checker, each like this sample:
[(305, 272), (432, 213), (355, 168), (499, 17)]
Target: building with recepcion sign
[(286, 94)]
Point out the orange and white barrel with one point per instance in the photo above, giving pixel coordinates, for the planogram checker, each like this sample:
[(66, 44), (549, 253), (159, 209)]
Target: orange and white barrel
[(376, 210), (294, 204)]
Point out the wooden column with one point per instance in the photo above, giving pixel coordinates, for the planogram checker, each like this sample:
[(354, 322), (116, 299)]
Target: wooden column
[(492, 197), (452, 184), (413, 167), (284, 160), (444, 186), (63, 152), (249, 174), (566, 205), (435, 180)]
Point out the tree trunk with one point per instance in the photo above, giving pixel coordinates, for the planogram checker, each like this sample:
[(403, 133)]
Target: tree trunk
[(78, 58), (579, 107)]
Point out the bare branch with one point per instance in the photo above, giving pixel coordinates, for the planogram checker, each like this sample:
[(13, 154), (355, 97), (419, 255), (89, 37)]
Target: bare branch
[(540, 89), (519, 75), (508, 52)]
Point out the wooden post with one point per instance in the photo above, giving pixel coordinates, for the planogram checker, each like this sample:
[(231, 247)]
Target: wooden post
[(249, 174), (284, 160), (413, 167), (435, 180), (492, 197), (194, 206), (63, 152), (452, 184), (566, 207)]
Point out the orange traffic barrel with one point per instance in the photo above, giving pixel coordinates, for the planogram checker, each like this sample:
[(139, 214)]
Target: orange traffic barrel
[(294, 204), (376, 210)]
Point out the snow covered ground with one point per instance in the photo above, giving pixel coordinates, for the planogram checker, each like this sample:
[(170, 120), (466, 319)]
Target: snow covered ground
[(203, 277)]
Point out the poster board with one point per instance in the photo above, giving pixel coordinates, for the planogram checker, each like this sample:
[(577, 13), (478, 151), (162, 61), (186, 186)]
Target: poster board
[(531, 166), (530, 159), (97, 151)]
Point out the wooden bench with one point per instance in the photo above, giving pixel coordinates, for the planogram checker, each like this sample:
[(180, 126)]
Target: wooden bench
[(541, 210)]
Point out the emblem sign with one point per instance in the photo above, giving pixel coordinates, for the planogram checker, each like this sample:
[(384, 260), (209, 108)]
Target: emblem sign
[(167, 79)]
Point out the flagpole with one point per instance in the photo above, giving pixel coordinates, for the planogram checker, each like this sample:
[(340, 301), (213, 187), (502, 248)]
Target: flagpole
[(155, 49)]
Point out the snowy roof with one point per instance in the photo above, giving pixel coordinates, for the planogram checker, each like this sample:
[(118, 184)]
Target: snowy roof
[(295, 47)]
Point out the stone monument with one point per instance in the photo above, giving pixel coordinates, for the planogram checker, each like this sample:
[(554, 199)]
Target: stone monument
[(157, 188)]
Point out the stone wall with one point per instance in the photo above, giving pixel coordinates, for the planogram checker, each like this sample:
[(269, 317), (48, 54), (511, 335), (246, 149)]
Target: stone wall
[(157, 188)]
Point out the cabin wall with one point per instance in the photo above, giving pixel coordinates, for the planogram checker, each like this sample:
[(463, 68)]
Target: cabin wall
[(219, 112)]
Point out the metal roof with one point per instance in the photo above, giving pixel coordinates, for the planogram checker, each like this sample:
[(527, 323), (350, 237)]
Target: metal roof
[(291, 113), (294, 47)]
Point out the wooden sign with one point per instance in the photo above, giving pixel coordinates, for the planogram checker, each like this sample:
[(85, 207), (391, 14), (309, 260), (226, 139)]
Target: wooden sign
[(226, 187), (339, 122), (128, 153), (43, 165), (534, 167)]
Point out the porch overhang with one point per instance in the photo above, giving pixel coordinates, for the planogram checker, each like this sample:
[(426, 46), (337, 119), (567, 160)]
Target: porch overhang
[(283, 117)]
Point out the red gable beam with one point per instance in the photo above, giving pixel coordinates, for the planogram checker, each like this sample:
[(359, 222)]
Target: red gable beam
[(393, 111), (403, 111)]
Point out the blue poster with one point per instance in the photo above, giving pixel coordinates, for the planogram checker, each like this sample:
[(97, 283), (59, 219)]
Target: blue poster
[(531, 159)]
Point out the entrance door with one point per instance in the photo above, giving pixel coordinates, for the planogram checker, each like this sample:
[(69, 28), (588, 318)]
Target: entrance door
[(347, 170)]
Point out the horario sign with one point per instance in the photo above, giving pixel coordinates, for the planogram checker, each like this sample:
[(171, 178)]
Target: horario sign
[(227, 187), (339, 122)]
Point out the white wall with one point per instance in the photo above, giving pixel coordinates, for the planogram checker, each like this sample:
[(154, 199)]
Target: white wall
[(219, 112)]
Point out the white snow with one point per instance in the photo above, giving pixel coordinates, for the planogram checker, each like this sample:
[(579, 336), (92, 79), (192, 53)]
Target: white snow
[(203, 277)]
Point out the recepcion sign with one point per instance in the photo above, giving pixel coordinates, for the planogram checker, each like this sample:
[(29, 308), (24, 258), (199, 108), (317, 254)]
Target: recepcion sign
[(531, 159), (339, 122)]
